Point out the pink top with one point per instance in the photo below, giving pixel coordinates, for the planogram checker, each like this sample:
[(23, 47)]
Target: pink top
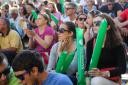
[(48, 31)]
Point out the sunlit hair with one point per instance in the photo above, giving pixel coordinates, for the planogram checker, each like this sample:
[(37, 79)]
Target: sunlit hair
[(54, 7)]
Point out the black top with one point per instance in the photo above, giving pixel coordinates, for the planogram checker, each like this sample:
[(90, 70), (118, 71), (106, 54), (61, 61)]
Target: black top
[(113, 12), (110, 57)]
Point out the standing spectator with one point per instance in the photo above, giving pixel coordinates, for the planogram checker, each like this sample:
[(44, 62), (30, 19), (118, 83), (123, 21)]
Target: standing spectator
[(112, 8), (29, 68), (112, 61), (42, 38), (10, 41)]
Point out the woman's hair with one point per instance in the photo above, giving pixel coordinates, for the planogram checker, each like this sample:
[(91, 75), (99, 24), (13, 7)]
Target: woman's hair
[(54, 7), (46, 17), (79, 16), (95, 13), (113, 37), (30, 4), (24, 10), (71, 27)]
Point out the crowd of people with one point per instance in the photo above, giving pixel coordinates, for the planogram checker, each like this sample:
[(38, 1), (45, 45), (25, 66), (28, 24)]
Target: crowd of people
[(34, 34)]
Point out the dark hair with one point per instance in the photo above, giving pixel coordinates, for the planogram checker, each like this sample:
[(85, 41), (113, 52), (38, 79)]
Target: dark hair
[(24, 10), (46, 17), (80, 15), (113, 36), (26, 60), (6, 21), (71, 27), (71, 4), (95, 13), (2, 57), (111, 1), (31, 5)]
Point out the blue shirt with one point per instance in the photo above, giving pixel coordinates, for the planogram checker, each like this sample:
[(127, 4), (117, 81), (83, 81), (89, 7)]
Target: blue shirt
[(57, 79)]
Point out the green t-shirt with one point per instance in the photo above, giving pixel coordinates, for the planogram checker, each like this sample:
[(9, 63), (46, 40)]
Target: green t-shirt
[(12, 78)]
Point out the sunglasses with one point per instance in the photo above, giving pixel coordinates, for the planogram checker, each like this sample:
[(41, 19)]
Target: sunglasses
[(62, 30), (68, 8), (82, 19), (96, 23), (21, 77), (5, 72)]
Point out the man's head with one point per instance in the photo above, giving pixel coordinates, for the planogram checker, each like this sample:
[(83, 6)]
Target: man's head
[(70, 8), (4, 70), (27, 66), (4, 26), (14, 12), (110, 4)]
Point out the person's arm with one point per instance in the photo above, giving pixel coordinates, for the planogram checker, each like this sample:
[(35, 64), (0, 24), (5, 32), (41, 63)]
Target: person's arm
[(31, 43), (46, 42), (9, 49), (53, 57), (119, 20)]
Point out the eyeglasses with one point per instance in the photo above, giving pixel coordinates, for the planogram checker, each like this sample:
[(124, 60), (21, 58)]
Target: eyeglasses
[(21, 77), (82, 19), (96, 23), (62, 30), (68, 8)]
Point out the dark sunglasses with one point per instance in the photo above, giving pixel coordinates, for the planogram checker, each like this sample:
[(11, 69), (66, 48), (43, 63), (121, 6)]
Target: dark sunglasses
[(82, 19), (96, 23), (5, 72), (21, 77), (62, 30)]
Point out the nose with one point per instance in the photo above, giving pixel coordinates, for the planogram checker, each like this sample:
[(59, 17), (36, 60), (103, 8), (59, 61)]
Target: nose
[(3, 77)]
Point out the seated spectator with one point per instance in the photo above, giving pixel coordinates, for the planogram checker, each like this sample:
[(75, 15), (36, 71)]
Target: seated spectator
[(15, 20), (81, 22), (29, 68), (89, 7), (112, 8), (123, 24), (90, 32), (7, 76), (112, 61), (70, 10), (67, 42), (42, 38), (10, 41)]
